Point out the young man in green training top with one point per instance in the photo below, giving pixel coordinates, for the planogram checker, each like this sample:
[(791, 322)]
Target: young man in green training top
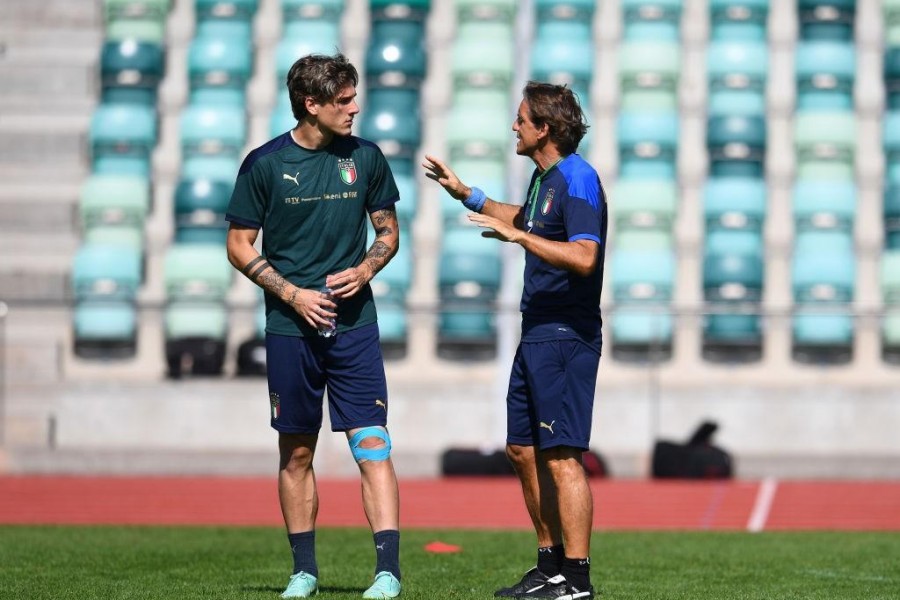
[(312, 192)]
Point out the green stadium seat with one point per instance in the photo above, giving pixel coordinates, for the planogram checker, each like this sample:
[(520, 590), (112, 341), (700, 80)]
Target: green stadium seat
[(200, 207), (891, 12), (311, 10), (889, 276), (114, 200), (130, 71), (892, 76), (104, 329), (391, 119), (825, 74), (481, 11), (135, 9), (737, 72), (480, 124), (649, 72), (733, 266), (195, 337), (482, 55), (304, 37), (106, 272), (564, 10), (212, 130), (197, 272), (131, 237), (145, 30), (645, 204), (651, 19), (122, 131), (396, 57), (648, 144), (734, 203), (733, 334), (825, 144), (736, 145), (563, 53), (644, 240), (220, 68)]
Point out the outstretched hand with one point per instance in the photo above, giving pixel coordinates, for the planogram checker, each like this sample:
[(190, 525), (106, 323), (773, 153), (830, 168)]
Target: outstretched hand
[(498, 230), (440, 172)]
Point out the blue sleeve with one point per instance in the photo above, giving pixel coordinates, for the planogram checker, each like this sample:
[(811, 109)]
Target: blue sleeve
[(582, 210)]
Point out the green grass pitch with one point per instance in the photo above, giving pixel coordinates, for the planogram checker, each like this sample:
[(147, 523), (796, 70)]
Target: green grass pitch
[(94, 563)]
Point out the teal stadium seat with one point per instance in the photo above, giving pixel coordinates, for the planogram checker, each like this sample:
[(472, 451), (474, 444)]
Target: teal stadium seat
[(824, 205), (825, 144), (114, 200), (104, 329), (209, 130), (219, 68), (396, 57), (891, 212), (890, 294), (469, 277), (390, 288), (648, 144), (469, 11), (130, 71), (891, 71), (136, 19), (737, 72), (645, 204), (391, 119), (822, 336), (890, 140), (216, 167), (738, 20), (826, 19), (200, 207), (303, 37), (122, 138), (733, 266), (562, 52), (658, 20), (225, 10), (404, 172), (736, 145), (106, 272), (643, 275), (823, 267), (734, 203), (891, 13), (825, 73), (307, 10), (649, 72), (408, 10), (480, 124), (197, 272), (482, 55)]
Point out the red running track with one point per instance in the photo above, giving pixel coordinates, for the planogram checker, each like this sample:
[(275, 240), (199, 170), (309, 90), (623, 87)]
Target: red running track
[(478, 503)]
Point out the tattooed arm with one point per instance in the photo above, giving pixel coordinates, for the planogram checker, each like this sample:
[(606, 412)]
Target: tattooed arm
[(314, 307), (387, 240)]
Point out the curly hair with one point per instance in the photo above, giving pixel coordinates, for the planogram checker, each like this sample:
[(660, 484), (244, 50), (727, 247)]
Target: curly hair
[(319, 77), (558, 107)]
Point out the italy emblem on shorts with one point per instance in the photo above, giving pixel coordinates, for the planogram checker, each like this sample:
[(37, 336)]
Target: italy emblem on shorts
[(548, 202), (275, 402), (348, 171)]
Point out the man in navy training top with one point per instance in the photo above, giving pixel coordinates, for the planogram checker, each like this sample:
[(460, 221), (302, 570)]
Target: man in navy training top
[(562, 227), (312, 191)]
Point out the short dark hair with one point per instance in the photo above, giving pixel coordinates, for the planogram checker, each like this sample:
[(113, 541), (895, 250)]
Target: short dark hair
[(556, 106), (319, 77)]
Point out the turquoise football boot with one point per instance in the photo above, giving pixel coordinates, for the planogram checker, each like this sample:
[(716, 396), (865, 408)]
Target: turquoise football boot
[(301, 585), (385, 586)]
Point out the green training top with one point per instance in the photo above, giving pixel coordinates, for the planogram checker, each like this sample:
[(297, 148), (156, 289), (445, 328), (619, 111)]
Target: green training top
[(313, 208)]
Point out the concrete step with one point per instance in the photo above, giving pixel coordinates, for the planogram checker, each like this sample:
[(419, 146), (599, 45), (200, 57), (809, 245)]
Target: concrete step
[(57, 13), (48, 140), (39, 207)]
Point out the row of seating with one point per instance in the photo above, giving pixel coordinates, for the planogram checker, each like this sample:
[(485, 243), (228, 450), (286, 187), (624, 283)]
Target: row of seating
[(890, 262)]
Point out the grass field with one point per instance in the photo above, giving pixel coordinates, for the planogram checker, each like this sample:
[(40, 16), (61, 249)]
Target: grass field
[(88, 563)]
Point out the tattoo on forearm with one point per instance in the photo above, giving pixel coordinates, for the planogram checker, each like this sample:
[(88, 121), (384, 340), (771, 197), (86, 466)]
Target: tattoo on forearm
[(383, 218), (378, 255), (259, 270), (249, 266), (273, 283)]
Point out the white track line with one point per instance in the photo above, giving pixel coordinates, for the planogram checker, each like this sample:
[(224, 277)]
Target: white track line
[(763, 504)]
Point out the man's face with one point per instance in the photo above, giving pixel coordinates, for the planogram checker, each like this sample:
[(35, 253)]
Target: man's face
[(337, 116), (527, 135)]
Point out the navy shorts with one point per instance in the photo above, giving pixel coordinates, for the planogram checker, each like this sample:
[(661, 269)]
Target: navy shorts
[(349, 364), (551, 394)]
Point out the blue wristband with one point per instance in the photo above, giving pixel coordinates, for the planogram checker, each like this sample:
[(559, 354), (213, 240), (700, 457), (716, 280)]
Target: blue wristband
[(476, 200)]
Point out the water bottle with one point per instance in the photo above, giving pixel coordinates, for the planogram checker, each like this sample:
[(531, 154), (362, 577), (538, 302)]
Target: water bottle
[(329, 330)]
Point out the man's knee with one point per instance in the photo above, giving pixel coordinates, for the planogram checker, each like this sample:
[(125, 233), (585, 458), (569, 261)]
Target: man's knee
[(370, 444), (296, 451), (520, 456)]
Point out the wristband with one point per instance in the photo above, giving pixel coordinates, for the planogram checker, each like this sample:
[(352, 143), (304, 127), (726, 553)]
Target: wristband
[(476, 200)]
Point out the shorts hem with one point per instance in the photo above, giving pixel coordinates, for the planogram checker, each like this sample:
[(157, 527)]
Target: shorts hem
[(296, 430), (348, 426), (570, 443)]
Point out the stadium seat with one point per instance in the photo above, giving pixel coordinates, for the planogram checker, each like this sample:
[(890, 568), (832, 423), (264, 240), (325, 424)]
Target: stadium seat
[(300, 38), (737, 72), (565, 10), (212, 130), (826, 19), (644, 240), (825, 72), (891, 73), (563, 53), (824, 205), (737, 145), (823, 268), (469, 276), (218, 69), (891, 12), (645, 204), (471, 11), (480, 124), (195, 338), (825, 144), (122, 138), (104, 329), (648, 144), (145, 30), (641, 333), (658, 20), (733, 333), (226, 10), (642, 275), (482, 55), (396, 57), (404, 172), (890, 140), (114, 200), (217, 168), (390, 288), (200, 207), (890, 293), (106, 272), (891, 212), (408, 10), (196, 272), (391, 119), (738, 20), (130, 71), (311, 10), (649, 73), (136, 19), (733, 266), (135, 9), (127, 236), (734, 203), (822, 335)]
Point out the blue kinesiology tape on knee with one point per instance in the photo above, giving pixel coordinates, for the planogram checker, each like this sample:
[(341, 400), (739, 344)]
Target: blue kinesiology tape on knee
[(374, 454)]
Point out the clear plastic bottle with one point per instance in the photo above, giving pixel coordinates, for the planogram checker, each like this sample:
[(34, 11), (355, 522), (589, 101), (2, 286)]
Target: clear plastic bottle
[(328, 331)]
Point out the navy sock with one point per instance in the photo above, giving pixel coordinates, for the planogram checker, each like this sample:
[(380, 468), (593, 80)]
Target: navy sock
[(387, 552), (550, 560), (303, 546), (577, 572)]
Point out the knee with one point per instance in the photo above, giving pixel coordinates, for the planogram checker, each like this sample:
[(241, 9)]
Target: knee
[(370, 444), (563, 462), (519, 456)]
